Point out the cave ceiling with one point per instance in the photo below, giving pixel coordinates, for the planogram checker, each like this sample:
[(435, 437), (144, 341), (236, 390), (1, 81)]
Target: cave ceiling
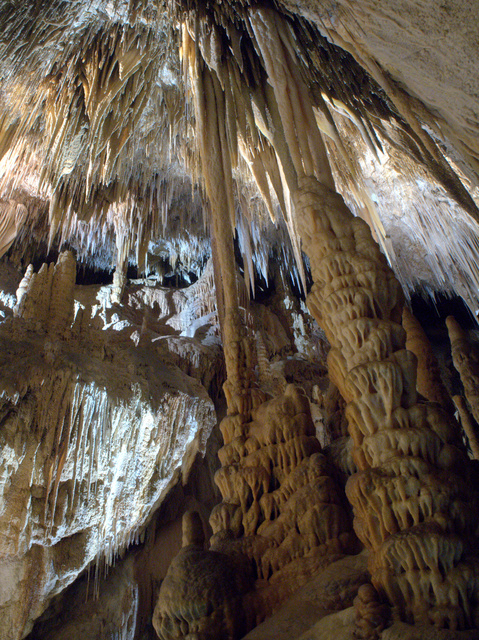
[(99, 139)]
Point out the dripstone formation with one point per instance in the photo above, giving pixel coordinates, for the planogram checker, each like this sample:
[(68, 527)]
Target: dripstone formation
[(220, 418), (413, 487)]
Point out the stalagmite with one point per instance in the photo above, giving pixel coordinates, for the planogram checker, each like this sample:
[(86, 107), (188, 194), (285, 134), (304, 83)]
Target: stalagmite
[(46, 298), (118, 285), (466, 360), (428, 380), (401, 447), (162, 135), (280, 507), (371, 615), (200, 596)]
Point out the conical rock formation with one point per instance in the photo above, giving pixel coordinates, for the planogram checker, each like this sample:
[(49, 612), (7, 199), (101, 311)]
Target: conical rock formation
[(412, 495)]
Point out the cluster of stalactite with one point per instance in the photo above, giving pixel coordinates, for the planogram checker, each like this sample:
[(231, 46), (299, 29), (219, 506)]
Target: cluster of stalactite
[(259, 104), (410, 503), (93, 114)]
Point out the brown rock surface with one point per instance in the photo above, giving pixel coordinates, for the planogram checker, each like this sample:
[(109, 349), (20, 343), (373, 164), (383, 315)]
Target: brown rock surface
[(332, 589), (465, 356), (201, 595)]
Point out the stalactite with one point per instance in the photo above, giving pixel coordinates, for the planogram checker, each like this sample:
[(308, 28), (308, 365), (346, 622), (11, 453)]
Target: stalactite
[(413, 110), (280, 508), (210, 110), (12, 217), (303, 138), (253, 86)]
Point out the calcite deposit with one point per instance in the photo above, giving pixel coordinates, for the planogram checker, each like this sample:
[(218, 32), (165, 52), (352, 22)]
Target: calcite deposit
[(466, 361), (372, 616), (94, 432), (465, 356), (201, 593), (281, 508), (428, 375), (216, 220), (407, 453)]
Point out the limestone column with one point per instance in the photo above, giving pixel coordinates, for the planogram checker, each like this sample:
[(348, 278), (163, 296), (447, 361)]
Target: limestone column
[(281, 513), (411, 495), (210, 111)]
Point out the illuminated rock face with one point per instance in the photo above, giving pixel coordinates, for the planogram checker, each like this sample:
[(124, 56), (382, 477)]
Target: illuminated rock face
[(406, 452), (95, 430)]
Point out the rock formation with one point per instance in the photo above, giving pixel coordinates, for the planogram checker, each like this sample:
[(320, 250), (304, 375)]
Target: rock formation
[(94, 430), (428, 376), (201, 593), (177, 159), (465, 358), (371, 615), (466, 361), (400, 446), (281, 509)]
